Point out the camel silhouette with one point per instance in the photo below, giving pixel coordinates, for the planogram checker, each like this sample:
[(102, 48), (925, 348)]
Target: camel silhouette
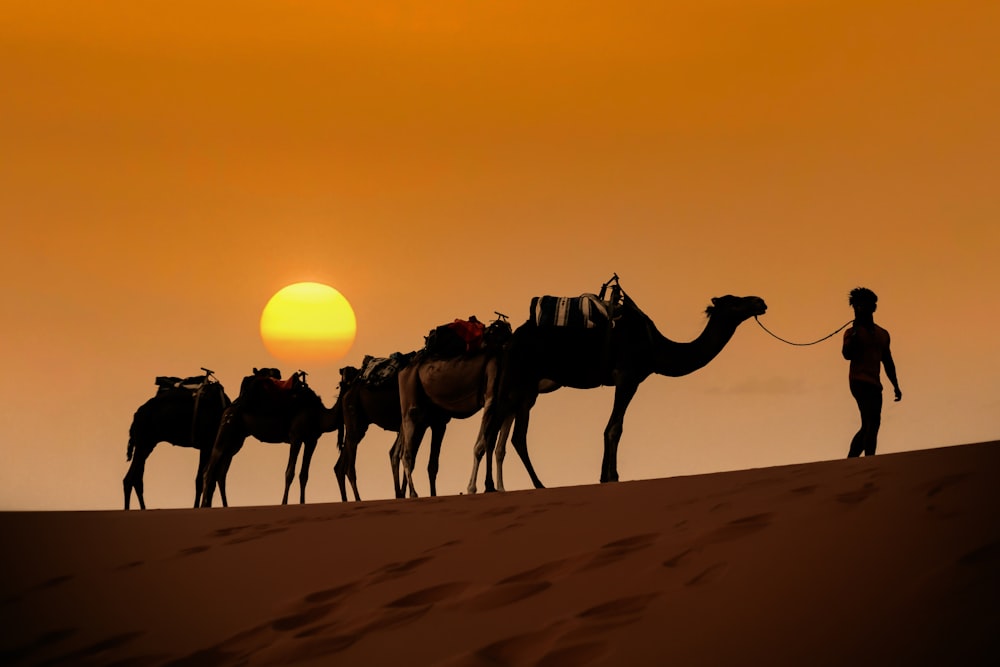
[(363, 404), (620, 354), (184, 413), (272, 411), (443, 382), (433, 389)]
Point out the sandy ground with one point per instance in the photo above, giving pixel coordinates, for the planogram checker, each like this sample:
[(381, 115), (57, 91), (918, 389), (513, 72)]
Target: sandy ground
[(893, 559)]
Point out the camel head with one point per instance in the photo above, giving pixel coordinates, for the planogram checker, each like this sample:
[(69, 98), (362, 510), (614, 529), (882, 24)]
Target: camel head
[(736, 309)]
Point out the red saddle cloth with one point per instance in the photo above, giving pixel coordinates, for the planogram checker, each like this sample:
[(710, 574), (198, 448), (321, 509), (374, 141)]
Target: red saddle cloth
[(471, 331), (282, 385)]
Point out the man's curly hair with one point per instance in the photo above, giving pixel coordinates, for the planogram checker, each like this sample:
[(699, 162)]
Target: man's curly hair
[(860, 296)]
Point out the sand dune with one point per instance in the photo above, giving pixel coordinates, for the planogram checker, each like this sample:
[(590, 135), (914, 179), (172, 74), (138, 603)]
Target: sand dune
[(887, 560)]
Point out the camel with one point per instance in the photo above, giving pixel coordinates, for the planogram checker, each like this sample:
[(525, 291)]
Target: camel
[(620, 354), (272, 411), (432, 389), (363, 404), (184, 413), (445, 381)]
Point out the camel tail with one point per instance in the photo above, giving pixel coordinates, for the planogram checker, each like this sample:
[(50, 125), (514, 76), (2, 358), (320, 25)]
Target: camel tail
[(131, 448)]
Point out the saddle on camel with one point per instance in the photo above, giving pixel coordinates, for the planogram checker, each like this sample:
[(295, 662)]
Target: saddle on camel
[(467, 337), (587, 311), (192, 388), (376, 372), (266, 391)]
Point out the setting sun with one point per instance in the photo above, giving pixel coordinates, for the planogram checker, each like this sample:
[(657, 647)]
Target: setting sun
[(308, 322)]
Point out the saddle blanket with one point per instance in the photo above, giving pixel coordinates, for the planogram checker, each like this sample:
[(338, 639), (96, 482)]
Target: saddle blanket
[(585, 311), (169, 382), (378, 371)]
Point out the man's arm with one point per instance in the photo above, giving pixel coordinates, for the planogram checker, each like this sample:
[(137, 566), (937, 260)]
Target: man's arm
[(890, 369), (848, 348)]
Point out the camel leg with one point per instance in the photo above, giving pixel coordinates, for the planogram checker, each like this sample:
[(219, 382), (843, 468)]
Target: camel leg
[(477, 456), (199, 479), (613, 432), (293, 457), (352, 475), (346, 471), (351, 461), (489, 444), (307, 454), (519, 438), (354, 431), (501, 449), (480, 450), (410, 446), (395, 457), (223, 474), (340, 470), (437, 435), (133, 476), (213, 473), (228, 441)]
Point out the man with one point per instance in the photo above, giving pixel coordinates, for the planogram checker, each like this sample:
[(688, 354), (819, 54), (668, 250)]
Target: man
[(866, 346)]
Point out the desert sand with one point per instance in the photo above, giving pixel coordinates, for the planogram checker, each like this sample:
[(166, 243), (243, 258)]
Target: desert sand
[(886, 560)]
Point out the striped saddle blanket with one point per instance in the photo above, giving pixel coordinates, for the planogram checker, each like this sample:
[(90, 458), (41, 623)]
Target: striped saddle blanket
[(377, 372), (586, 311)]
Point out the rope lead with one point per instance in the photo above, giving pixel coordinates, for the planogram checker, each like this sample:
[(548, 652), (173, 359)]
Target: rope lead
[(803, 344)]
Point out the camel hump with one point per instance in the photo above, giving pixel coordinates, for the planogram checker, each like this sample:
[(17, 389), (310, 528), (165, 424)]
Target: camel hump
[(586, 311)]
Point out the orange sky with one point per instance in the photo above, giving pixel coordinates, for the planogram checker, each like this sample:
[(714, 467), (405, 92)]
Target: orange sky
[(168, 166)]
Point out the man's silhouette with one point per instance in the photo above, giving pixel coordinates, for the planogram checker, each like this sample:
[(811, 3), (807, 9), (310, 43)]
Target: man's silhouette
[(866, 346)]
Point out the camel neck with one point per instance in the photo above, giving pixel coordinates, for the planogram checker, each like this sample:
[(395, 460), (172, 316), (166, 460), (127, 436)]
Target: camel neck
[(676, 359)]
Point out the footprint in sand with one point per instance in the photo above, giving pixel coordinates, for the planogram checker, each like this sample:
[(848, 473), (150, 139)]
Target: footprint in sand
[(502, 595), (87, 654), (545, 571), (399, 569), (708, 575), (854, 497), (938, 485), (612, 552), (296, 621), (190, 551), (54, 581), (577, 655), (431, 595), (43, 641), (129, 566), (231, 530), (552, 646), (444, 545), (674, 561), (509, 526), (742, 527), (988, 553), (524, 649), (332, 593), (632, 605), (261, 531), (498, 511)]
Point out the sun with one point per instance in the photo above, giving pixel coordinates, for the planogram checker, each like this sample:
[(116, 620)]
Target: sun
[(308, 323)]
